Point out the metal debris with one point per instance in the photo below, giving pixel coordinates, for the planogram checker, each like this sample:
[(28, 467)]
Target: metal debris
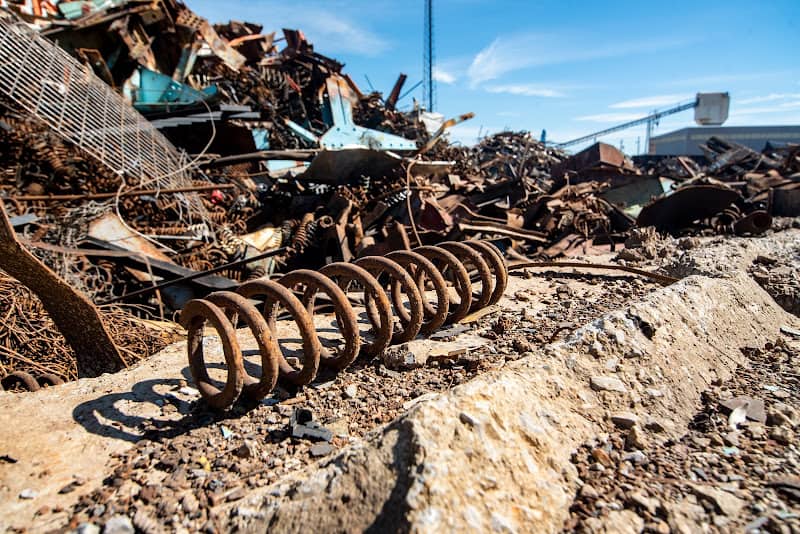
[(150, 158), (76, 317), (408, 276)]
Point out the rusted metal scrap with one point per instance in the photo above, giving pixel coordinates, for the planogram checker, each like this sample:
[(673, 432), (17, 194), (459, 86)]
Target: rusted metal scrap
[(599, 161), (706, 203), (26, 381), (686, 205), (730, 160), (30, 341), (76, 317), (756, 187), (297, 165), (408, 272)]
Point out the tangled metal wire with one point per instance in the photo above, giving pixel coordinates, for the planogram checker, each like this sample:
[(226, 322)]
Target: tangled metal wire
[(407, 272), (30, 342)]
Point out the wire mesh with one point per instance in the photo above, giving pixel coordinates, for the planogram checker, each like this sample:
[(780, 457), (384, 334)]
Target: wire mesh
[(45, 81)]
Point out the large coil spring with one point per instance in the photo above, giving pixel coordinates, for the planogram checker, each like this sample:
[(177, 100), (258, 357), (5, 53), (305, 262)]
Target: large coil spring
[(407, 272)]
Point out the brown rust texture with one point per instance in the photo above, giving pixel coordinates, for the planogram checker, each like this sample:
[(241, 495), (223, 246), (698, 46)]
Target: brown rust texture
[(75, 316)]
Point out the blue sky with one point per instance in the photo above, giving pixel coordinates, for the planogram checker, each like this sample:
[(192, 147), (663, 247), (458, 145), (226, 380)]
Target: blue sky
[(570, 67)]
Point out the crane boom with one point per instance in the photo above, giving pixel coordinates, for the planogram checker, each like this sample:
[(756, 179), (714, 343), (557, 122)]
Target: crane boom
[(644, 120)]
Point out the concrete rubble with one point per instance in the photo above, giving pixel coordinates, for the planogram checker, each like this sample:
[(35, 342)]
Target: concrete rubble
[(665, 345), (239, 292)]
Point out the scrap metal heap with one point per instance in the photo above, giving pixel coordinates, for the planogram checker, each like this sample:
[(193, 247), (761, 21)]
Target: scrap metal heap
[(150, 158), (737, 190)]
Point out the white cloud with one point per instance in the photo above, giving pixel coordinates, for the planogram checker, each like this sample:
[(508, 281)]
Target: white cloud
[(766, 110), (774, 108), (697, 83), (509, 53), (610, 117), (469, 134), (651, 102), (500, 57), (332, 32), (525, 90), (760, 118), (443, 76), (769, 98)]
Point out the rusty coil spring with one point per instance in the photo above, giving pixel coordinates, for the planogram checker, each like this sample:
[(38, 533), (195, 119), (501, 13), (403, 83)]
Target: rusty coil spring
[(406, 272), (169, 230), (732, 221), (302, 236), (723, 222), (25, 381), (216, 214)]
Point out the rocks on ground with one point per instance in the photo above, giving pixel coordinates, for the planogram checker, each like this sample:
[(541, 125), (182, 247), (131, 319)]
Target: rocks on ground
[(735, 470), (189, 479)]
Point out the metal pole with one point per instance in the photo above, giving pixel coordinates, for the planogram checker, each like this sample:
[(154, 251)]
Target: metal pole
[(428, 72)]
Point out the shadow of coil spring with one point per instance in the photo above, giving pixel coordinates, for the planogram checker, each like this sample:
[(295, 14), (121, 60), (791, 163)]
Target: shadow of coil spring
[(406, 272)]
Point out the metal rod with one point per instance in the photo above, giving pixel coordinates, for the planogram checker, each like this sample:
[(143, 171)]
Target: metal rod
[(298, 155), (100, 196), (194, 276), (410, 90), (429, 88), (662, 279), (648, 120)]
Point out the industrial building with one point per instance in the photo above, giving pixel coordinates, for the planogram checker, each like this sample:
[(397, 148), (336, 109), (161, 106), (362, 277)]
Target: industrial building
[(687, 141)]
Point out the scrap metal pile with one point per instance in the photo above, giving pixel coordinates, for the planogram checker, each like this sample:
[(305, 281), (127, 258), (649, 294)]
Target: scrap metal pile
[(737, 192), (33, 353), (150, 158)]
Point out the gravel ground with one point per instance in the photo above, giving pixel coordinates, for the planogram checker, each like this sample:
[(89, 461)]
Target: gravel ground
[(177, 480), (780, 278), (772, 259), (188, 476), (733, 471)]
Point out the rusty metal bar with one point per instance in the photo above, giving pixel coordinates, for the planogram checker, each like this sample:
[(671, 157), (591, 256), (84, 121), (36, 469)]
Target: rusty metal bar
[(102, 196)]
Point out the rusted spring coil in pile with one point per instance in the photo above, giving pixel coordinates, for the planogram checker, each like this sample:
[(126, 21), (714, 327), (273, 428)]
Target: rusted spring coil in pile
[(25, 381), (409, 273), (733, 221)]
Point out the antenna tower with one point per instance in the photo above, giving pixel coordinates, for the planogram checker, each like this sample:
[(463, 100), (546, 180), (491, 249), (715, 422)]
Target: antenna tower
[(429, 84)]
